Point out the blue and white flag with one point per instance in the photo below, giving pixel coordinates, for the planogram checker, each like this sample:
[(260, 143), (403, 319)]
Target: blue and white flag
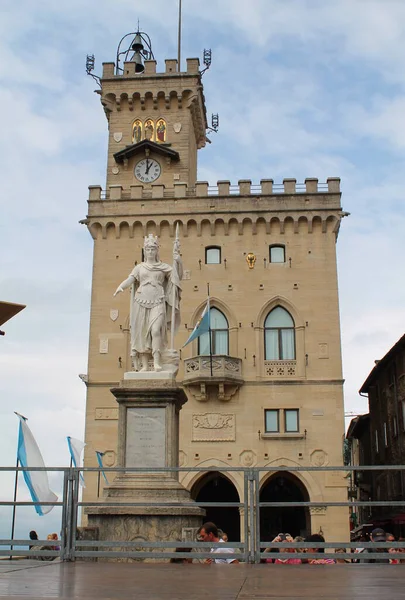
[(202, 326), (100, 464), (29, 455), (76, 449)]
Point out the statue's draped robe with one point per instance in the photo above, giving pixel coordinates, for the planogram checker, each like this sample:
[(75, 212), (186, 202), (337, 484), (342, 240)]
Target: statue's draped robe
[(152, 305)]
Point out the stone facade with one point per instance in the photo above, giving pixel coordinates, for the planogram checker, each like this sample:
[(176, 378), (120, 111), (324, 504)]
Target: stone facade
[(223, 422)]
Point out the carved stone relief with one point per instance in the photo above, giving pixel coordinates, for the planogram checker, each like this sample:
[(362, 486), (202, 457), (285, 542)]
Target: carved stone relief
[(319, 458), (247, 458), (108, 414), (208, 427), (109, 458), (317, 510)]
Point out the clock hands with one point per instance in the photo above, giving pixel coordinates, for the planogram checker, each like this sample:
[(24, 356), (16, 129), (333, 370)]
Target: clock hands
[(148, 166)]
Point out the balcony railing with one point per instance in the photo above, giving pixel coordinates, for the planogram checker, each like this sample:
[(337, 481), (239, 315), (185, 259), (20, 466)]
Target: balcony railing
[(280, 368), (225, 372)]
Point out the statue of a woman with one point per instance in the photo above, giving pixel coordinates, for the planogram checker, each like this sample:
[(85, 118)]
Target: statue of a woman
[(156, 287)]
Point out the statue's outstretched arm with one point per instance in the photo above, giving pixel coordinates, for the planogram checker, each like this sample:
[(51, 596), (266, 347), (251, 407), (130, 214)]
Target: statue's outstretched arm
[(125, 284)]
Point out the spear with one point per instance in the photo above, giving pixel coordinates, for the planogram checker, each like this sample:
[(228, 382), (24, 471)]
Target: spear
[(175, 277)]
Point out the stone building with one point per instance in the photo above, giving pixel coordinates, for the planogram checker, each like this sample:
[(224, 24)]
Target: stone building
[(381, 438), (268, 252)]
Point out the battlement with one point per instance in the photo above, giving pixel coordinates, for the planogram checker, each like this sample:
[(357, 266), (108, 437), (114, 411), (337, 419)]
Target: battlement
[(202, 189), (193, 65)]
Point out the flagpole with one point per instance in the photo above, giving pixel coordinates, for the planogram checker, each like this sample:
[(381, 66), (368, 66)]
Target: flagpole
[(179, 40), (209, 327), (15, 485)]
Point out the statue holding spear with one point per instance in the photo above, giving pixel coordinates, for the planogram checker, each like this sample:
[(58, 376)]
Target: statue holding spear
[(155, 307)]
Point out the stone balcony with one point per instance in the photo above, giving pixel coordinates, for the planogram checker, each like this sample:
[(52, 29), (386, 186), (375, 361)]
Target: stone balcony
[(226, 376)]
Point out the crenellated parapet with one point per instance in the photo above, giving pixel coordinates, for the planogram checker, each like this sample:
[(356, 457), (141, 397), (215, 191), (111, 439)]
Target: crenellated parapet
[(223, 210), (202, 189)]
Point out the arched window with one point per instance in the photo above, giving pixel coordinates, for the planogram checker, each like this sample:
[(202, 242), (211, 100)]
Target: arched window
[(219, 335), (213, 255), (277, 254), (279, 335)]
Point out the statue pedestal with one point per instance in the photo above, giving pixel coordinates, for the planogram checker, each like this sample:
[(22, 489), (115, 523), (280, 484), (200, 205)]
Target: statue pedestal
[(148, 437)]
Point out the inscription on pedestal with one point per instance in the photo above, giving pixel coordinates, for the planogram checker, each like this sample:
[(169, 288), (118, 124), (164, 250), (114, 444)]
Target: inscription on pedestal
[(146, 437)]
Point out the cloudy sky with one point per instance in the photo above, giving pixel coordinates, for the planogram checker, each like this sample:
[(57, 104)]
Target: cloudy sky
[(304, 88)]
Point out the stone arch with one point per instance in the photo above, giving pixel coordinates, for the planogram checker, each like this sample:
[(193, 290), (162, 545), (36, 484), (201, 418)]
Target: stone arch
[(233, 226), (215, 464), (275, 225), (331, 223), (307, 479), (262, 226), (151, 227), (206, 227), (125, 230), (139, 230), (219, 225), (247, 225), (316, 224), (190, 225), (109, 230), (95, 230), (284, 303), (302, 225), (288, 224), (164, 227)]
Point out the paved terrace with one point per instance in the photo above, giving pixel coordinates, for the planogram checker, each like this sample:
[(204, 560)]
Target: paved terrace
[(106, 581)]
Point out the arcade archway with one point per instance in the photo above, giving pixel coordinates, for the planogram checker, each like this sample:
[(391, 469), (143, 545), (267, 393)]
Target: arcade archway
[(284, 487), (216, 487)]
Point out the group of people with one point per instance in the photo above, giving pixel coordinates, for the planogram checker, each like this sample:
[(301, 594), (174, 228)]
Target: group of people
[(209, 532), (52, 537)]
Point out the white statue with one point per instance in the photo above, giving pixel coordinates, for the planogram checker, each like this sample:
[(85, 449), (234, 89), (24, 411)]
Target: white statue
[(155, 304)]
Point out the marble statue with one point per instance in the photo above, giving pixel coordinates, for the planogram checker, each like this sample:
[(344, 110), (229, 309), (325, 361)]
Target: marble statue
[(155, 306)]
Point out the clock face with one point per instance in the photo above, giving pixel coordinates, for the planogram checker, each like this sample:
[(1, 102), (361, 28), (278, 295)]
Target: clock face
[(147, 170)]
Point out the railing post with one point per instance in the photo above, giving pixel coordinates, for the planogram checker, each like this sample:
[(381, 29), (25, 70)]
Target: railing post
[(63, 536), (252, 526), (69, 515), (256, 473), (75, 508), (246, 515)]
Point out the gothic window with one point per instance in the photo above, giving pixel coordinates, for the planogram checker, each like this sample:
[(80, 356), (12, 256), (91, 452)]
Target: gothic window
[(213, 255), (219, 335), (277, 254), (279, 335)]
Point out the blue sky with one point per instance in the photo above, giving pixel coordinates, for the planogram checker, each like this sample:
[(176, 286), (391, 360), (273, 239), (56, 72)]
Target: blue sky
[(304, 88)]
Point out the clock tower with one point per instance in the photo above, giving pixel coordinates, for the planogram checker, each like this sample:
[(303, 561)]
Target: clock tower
[(156, 123)]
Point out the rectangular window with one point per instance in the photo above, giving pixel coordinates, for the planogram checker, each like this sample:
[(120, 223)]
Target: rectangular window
[(376, 440), (212, 256), (277, 254), (271, 421), (385, 435), (291, 420)]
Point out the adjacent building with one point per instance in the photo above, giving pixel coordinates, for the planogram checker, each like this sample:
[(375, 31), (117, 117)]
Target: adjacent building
[(378, 438)]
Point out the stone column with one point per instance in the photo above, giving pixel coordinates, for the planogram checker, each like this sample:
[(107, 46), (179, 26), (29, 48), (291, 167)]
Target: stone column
[(148, 437)]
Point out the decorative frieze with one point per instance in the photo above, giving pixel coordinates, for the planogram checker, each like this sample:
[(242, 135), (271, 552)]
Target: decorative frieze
[(213, 427)]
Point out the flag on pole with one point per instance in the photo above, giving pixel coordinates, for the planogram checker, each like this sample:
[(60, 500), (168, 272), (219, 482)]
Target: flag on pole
[(202, 326), (100, 464), (29, 455), (75, 449)]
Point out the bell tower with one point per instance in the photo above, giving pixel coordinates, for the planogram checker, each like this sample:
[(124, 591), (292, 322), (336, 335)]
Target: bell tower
[(156, 120)]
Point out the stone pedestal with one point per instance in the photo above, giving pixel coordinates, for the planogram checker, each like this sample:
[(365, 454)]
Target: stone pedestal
[(148, 437)]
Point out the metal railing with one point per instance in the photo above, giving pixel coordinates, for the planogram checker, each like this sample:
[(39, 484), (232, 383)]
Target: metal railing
[(251, 548)]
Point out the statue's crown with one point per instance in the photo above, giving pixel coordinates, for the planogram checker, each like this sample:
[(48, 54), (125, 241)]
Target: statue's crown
[(151, 240)]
